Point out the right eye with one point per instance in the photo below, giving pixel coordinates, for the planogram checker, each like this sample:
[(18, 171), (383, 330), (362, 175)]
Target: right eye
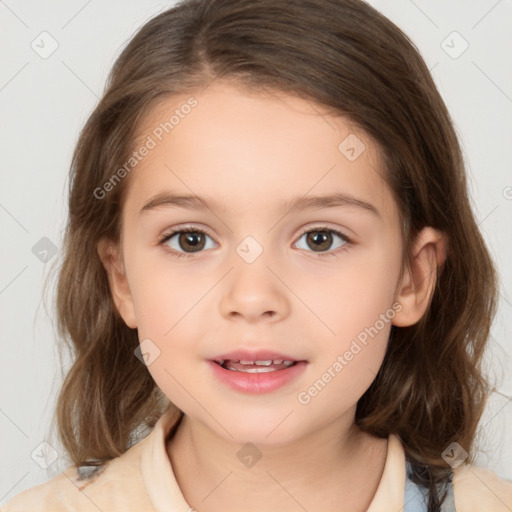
[(189, 238)]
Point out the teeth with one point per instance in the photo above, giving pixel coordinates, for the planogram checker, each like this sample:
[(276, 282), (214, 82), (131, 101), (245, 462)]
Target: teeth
[(268, 362), (256, 366)]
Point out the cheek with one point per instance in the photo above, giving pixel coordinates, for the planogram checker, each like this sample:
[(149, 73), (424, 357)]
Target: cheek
[(352, 295), (164, 293), (355, 305), (347, 363), (168, 310)]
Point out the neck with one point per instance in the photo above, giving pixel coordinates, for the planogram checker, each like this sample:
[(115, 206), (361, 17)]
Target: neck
[(337, 467)]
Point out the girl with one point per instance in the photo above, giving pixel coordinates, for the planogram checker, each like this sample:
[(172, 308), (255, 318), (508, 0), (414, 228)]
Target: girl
[(275, 287)]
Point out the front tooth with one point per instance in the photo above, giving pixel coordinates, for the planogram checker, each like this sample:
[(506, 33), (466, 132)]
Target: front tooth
[(264, 363)]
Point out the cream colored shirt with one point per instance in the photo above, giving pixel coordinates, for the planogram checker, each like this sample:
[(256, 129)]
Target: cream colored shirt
[(142, 480)]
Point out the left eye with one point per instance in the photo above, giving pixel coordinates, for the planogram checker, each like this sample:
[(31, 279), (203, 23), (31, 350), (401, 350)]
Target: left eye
[(322, 239)]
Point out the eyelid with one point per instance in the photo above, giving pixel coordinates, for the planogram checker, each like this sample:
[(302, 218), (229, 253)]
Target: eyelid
[(324, 227), (303, 229)]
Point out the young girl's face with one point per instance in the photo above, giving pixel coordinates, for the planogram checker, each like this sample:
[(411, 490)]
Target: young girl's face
[(257, 280)]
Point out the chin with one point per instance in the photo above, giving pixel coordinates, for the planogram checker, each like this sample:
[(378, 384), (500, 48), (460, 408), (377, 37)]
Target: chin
[(270, 430)]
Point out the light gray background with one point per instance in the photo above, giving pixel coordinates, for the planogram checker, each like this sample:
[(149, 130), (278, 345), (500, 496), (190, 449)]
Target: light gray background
[(45, 102)]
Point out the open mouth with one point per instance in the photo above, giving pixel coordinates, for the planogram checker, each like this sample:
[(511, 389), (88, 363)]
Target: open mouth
[(255, 366), (259, 376)]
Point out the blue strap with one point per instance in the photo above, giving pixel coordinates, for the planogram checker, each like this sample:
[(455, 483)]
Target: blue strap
[(416, 497)]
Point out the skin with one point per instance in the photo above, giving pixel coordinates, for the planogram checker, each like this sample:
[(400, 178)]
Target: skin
[(252, 152)]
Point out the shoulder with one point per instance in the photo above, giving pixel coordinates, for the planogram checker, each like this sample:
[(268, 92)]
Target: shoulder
[(478, 489), (116, 485), (62, 493)]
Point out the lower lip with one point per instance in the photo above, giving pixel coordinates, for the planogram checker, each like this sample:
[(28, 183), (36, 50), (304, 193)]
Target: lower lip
[(257, 383)]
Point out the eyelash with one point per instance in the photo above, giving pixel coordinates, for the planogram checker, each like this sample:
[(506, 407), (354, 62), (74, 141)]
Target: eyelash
[(178, 254)]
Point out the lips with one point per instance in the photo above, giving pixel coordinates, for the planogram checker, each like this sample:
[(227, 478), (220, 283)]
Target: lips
[(256, 379)]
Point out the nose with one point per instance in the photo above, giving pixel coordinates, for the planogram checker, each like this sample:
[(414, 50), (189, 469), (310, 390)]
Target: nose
[(254, 292)]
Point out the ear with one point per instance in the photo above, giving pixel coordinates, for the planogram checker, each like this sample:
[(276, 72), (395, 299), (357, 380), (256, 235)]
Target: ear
[(110, 256), (416, 289)]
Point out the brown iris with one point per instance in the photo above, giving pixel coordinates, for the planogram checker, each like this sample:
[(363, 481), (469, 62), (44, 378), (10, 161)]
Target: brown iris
[(193, 239), (319, 240)]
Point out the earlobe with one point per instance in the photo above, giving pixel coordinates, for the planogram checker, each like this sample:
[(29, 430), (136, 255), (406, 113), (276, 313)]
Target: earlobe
[(109, 254), (418, 284)]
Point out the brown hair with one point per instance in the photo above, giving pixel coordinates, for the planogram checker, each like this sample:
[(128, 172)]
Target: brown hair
[(345, 55)]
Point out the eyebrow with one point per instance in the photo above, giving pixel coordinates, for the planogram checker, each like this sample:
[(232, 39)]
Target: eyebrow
[(169, 199)]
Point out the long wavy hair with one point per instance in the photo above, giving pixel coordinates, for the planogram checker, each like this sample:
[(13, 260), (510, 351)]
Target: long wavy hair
[(343, 54)]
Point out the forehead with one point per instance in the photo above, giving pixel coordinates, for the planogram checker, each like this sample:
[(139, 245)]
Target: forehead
[(253, 149)]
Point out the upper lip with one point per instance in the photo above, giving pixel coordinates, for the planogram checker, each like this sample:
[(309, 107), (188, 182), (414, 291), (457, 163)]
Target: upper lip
[(253, 355)]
